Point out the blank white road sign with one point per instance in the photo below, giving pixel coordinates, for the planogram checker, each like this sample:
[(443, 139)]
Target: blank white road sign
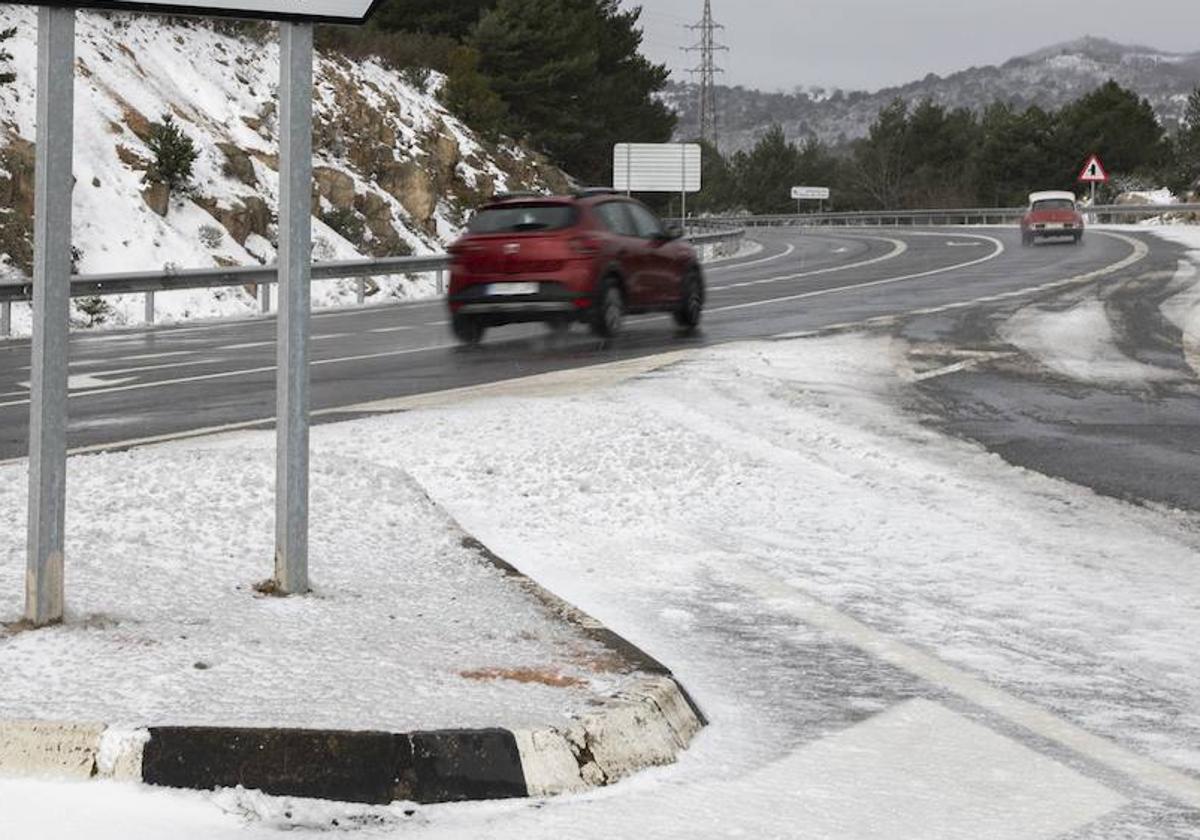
[(327, 11), (657, 167), (810, 193)]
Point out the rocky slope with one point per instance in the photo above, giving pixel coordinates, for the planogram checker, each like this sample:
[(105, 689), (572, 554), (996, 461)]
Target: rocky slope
[(394, 172), (1049, 78)]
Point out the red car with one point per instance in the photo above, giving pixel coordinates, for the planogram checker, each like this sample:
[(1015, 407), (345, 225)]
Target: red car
[(1051, 215), (593, 257)]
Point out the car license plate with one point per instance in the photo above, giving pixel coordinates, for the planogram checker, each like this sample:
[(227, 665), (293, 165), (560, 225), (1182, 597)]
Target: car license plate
[(513, 289), (1055, 226)]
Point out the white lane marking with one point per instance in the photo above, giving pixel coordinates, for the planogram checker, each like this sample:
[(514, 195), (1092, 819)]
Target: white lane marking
[(898, 248), (1140, 251), (963, 244), (1102, 751), (84, 381), (437, 323), (249, 345), (229, 374), (787, 252), (382, 330), (867, 285), (957, 367)]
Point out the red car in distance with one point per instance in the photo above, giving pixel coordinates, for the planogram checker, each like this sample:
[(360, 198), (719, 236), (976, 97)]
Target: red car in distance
[(593, 257), (1051, 215)]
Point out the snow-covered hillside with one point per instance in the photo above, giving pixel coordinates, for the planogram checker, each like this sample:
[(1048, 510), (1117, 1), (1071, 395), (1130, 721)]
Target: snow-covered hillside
[(395, 172), (1049, 78)]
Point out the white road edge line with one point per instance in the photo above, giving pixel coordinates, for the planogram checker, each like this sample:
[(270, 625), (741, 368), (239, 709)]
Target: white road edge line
[(1000, 249), (1140, 251), (899, 247), (1142, 770), (787, 252)]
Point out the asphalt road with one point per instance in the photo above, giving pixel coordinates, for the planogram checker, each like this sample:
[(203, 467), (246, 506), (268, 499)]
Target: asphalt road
[(136, 384)]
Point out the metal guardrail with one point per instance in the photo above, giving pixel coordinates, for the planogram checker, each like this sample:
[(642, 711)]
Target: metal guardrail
[(148, 283), (1103, 214)]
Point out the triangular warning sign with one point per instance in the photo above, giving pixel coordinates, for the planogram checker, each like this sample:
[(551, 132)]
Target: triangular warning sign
[(1094, 171)]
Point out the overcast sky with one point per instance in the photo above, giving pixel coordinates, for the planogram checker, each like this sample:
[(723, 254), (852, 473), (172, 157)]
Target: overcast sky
[(780, 44)]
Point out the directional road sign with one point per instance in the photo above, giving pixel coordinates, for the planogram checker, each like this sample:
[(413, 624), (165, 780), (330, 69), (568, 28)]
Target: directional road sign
[(322, 11), (1094, 171), (810, 193), (657, 167)]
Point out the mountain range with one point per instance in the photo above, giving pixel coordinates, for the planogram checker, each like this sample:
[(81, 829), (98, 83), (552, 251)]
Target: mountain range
[(1049, 78)]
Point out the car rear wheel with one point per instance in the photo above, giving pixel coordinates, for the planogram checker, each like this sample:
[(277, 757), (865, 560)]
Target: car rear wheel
[(610, 313), (1027, 240), (467, 329), (691, 306)]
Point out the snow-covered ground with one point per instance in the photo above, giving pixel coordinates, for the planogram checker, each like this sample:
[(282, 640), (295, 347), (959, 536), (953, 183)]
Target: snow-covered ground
[(767, 520), (406, 630)]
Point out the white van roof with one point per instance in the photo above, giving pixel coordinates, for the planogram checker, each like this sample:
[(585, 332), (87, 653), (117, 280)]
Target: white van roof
[(1034, 198)]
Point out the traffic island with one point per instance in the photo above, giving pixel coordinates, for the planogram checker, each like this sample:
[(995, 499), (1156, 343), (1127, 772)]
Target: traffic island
[(422, 668)]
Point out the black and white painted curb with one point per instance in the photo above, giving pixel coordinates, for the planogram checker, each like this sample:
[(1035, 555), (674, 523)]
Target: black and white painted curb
[(648, 724)]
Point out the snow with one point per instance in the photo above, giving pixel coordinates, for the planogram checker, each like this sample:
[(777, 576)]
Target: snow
[(165, 627), (792, 462), (1079, 343)]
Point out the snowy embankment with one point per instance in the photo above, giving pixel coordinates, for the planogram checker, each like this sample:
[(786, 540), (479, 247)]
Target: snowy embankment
[(395, 172), (407, 629)]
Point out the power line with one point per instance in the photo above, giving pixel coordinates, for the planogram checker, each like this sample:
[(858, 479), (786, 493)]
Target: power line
[(707, 71)]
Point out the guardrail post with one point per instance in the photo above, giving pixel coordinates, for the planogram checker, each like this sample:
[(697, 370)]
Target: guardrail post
[(441, 282), (295, 305), (361, 291), (44, 587), (149, 307), (6, 319), (264, 295)]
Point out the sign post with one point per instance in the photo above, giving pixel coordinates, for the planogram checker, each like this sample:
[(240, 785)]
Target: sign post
[(1094, 173), (44, 589), (800, 194), (53, 182), (295, 303)]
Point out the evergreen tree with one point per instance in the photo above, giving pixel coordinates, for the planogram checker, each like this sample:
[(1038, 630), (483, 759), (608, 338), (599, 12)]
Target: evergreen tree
[(883, 158), (6, 76), (765, 176), (573, 79), (174, 155), (433, 17), (1115, 123), (1187, 147)]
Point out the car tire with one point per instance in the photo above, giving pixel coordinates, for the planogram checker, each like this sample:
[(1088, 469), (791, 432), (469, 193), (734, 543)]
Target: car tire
[(467, 329), (1026, 240), (1078, 238), (558, 326), (691, 306), (610, 310)]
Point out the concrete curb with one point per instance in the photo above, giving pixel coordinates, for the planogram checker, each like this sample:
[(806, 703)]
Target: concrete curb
[(647, 725)]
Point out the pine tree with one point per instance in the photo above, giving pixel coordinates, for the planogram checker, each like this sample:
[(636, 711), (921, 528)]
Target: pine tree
[(174, 155), (6, 76), (1187, 145), (432, 17), (573, 79)]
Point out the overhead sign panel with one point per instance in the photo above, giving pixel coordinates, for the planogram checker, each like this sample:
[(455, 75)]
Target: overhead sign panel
[(1093, 171), (657, 167), (317, 11), (810, 193)]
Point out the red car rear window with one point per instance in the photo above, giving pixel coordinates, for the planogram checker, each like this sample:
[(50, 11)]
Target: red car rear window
[(1053, 204), (524, 218)]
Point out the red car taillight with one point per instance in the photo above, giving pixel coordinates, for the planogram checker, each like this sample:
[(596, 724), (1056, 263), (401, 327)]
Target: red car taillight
[(585, 246)]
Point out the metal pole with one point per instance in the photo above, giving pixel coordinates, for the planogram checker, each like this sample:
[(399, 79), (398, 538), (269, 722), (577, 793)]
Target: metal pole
[(149, 307), (6, 319), (361, 291), (44, 590), (265, 294), (295, 304)]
